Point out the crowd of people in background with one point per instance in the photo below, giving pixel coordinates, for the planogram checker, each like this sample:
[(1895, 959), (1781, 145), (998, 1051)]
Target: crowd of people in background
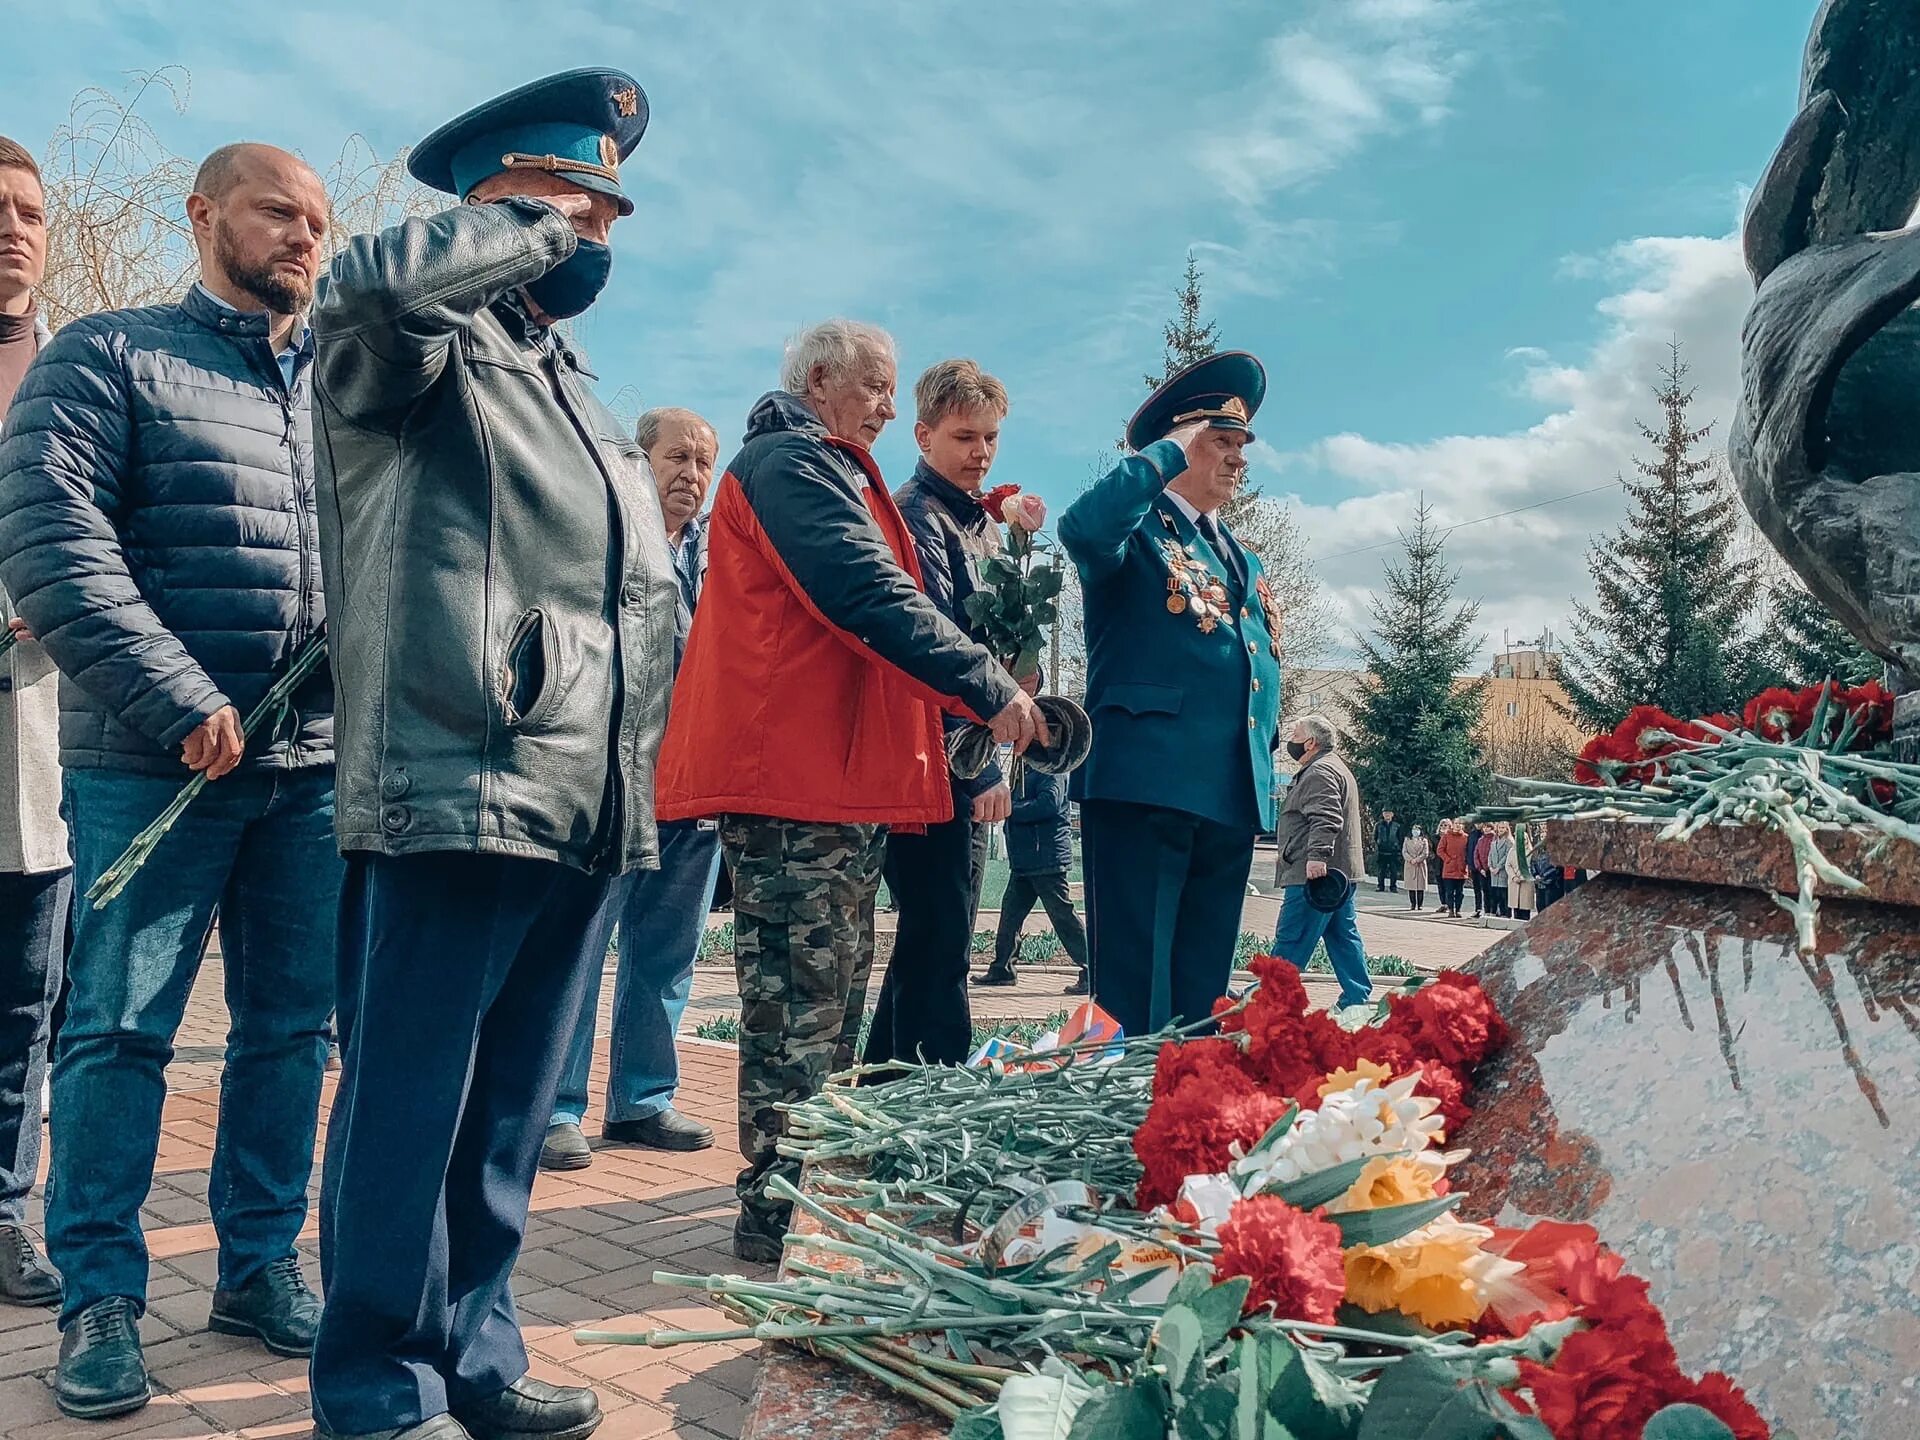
[(1510, 875)]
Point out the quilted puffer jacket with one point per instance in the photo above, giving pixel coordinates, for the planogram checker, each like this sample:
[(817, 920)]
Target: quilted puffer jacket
[(157, 531)]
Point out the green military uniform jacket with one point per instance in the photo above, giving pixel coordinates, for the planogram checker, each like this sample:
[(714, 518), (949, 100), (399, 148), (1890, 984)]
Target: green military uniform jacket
[(1183, 668)]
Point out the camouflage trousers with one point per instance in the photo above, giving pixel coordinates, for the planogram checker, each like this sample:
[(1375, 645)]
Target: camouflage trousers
[(803, 897)]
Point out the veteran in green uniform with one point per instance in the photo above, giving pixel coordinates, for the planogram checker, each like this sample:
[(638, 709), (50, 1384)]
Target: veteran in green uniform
[(1183, 686)]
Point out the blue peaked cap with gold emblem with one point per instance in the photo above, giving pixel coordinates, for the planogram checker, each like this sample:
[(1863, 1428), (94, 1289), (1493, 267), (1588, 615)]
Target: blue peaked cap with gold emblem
[(1224, 389), (578, 125)]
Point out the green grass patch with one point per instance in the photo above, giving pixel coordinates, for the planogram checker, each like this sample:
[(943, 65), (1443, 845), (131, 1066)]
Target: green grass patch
[(1251, 944), (725, 1028)]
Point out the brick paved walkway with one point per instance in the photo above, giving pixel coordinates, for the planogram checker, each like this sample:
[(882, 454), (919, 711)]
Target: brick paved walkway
[(596, 1238), (594, 1242)]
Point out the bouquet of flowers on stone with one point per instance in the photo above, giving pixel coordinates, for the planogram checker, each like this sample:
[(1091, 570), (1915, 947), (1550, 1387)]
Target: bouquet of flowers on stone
[(1794, 761), (1020, 590), (1245, 1233)]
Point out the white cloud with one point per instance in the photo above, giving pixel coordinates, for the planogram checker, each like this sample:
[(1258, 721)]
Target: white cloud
[(1527, 569)]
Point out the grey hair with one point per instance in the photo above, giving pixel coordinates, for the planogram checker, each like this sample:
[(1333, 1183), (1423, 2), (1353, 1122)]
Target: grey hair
[(1318, 729), (837, 344), (646, 430)]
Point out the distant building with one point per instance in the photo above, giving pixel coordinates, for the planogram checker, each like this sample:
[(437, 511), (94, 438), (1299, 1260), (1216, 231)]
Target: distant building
[(1525, 723)]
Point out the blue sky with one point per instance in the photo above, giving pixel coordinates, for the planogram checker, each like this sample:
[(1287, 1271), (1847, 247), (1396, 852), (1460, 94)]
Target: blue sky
[(1459, 232)]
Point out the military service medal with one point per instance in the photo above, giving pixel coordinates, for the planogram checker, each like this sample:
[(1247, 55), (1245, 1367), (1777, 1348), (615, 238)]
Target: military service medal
[(1192, 585)]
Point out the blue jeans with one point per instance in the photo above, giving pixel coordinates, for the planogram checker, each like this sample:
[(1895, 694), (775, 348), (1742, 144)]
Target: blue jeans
[(260, 849), (663, 914), (1302, 927)]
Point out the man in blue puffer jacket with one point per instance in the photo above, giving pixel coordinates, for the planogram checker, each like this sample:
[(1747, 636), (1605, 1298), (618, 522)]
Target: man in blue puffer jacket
[(158, 533)]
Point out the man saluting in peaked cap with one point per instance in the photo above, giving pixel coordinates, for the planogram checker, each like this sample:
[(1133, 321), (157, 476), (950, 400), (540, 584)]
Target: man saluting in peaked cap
[(502, 603), (1183, 687)]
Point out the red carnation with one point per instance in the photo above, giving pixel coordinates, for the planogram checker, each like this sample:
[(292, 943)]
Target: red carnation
[(1444, 1084), (1568, 1269), (1216, 1059), (1293, 1258), (1450, 1020), (1586, 768), (1807, 701), (1603, 1382), (1871, 706), (1394, 1051), (1649, 730), (1772, 714), (1281, 990), (1718, 1395), (1192, 1131)]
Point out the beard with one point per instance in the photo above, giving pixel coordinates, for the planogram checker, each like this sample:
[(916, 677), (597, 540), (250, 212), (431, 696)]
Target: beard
[(270, 287)]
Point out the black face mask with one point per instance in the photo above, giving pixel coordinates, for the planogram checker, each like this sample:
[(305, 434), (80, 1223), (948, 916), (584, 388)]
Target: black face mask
[(1297, 749), (575, 283)]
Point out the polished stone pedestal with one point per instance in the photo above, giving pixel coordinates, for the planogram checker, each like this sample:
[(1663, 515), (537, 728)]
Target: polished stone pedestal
[(1742, 1123)]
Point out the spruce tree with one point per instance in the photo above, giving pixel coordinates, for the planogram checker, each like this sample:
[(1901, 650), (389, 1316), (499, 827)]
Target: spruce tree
[(1413, 748), (1188, 338), (1671, 622), (1807, 645)]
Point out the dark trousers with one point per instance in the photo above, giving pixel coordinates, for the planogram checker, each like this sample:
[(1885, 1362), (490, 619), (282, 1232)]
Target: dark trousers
[(33, 943), (1049, 887), (460, 978), (922, 1011), (1481, 886), (1386, 872), (1164, 893), (1451, 893)]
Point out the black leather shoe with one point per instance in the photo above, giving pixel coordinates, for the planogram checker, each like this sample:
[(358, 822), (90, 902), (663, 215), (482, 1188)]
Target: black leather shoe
[(440, 1427), (25, 1279), (101, 1370), (566, 1148), (531, 1409), (276, 1307), (1079, 986), (757, 1240), (667, 1129), (996, 976)]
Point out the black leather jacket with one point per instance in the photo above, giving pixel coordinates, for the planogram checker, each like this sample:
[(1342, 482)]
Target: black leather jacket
[(500, 591)]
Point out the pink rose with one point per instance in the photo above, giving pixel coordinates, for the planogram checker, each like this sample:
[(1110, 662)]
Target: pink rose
[(1029, 512)]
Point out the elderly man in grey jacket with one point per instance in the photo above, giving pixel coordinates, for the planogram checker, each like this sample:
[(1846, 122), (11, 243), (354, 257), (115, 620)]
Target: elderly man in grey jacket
[(157, 533), (1320, 854)]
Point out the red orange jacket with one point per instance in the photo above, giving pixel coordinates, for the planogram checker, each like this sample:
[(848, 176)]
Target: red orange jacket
[(816, 671)]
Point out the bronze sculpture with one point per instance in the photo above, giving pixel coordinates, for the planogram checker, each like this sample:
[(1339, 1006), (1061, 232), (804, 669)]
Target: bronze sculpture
[(1826, 444)]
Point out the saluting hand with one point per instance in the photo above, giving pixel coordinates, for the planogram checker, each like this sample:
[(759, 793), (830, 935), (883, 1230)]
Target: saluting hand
[(1185, 435)]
